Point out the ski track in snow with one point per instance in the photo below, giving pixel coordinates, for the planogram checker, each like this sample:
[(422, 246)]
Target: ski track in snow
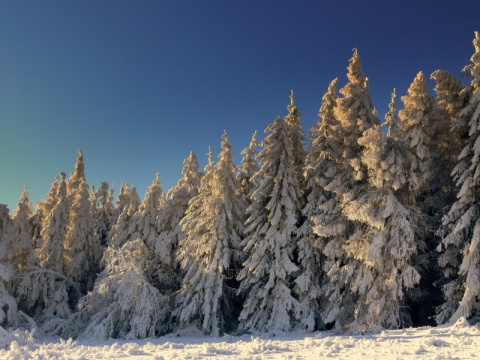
[(458, 341)]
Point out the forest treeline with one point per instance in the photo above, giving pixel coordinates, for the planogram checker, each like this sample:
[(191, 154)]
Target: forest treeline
[(359, 224)]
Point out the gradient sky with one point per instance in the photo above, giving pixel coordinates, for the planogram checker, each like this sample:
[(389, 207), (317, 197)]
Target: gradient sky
[(137, 84)]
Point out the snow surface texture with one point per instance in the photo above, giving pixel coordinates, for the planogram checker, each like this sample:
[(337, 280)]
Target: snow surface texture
[(458, 341)]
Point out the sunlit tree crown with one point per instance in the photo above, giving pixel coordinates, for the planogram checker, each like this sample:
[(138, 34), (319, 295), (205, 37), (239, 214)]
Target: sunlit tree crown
[(391, 118)]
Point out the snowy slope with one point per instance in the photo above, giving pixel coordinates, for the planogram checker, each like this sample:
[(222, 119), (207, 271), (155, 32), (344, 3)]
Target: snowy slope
[(459, 341)]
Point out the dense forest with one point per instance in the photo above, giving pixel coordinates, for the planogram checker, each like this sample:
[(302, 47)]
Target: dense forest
[(356, 225)]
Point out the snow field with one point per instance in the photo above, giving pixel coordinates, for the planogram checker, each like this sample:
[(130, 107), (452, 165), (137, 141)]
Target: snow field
[(459, 341)]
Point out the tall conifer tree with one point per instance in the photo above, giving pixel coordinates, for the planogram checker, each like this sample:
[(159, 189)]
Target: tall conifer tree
[(22, 248), (269, 272), (461, 226), (347, 181), (213, 225)]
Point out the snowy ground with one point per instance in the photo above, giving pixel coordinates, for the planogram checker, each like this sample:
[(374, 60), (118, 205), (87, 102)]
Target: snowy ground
[(459, 341)]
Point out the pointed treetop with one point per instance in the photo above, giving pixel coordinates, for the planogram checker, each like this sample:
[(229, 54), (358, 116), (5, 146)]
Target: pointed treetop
[(419, 87), (391, 118), (79, 166), (192, 158), (191, 175), (327, 99), (293, 117), (475, 69), (225, 156), (77, 176), (24, 204), (132, 201), (210, 155), (250, 150), (190, 165), (355, 72)]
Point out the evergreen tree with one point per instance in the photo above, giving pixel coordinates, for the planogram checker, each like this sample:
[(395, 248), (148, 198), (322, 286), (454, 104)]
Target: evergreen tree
[(346, 180), (76, 178), (269, 271), (42, 210), (7, 233), (297, 139), (122, 304), (43, 291), (461, 225), (448, 139), (124, 226), (228, 205), (8, 306), (55, 230), (169, 274), (416, 117), (47, 205), (420, 122), (213, 225), (22, 249), (322, 153), (386, 244), (248, 169), (145, 220), (82, 245), (105, 215), (123, 200)]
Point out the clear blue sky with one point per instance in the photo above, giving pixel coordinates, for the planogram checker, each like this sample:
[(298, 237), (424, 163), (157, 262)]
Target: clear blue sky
[(139, 84)]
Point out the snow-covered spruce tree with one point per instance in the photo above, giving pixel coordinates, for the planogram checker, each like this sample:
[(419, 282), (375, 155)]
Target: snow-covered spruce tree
[(82, 245), (145, 219), (346, 180), (269, 272), (7, 233), (124, 226), (42, 292), (452, 96), (42, 210), (247, 170), (297, 138), (228, 205), (144, 225), (196, 226), (8, 305), (123, 199), (461, 225), (385, 245), (123, 304), (213, 225), (76, 178), (168, 272), (415, 131), (22, 252), (55, 231), (49, 202), (105, 214), (323, 153)]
